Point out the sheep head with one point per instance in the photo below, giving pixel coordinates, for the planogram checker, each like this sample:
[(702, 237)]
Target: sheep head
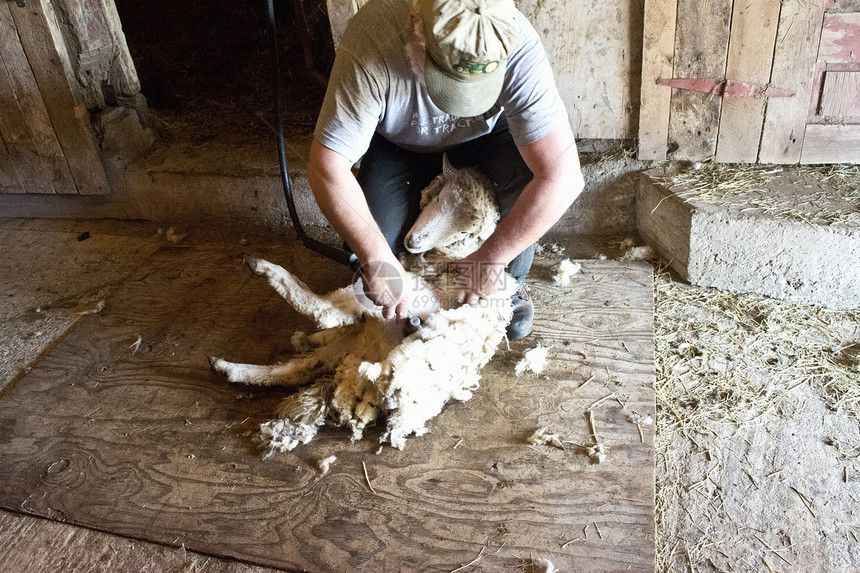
[(458, 213)]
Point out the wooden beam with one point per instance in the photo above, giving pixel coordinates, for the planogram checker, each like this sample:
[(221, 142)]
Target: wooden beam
[(701, 48), (795, 55), (98, 53), (69, 118), (751, 42), (657, 62), (33, 161)]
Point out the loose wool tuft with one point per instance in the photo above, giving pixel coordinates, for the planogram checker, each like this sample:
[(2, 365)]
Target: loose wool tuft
[(360, 369), (533, 359), (565, 272)]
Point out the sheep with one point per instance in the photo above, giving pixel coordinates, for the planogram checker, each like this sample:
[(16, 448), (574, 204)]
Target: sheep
[(359, 368)]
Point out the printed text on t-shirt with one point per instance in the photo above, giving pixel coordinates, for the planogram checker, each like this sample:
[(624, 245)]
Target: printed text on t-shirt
[(439, 123)]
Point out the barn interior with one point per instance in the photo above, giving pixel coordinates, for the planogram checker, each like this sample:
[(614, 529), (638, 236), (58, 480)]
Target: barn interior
[(711, 338)]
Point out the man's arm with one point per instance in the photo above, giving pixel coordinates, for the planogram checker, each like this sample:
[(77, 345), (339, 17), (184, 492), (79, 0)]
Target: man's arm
[(557, 182), (342, 202)]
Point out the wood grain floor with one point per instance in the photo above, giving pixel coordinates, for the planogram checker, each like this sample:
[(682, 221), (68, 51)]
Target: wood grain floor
[(151, 445)]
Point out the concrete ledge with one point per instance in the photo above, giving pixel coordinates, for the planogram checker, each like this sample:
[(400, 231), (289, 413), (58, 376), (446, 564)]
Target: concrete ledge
[(218, 184), (225, 184), (796, 251)]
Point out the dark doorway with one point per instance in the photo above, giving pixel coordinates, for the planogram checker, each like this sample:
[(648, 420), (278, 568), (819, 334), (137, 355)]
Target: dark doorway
[(205, 71)]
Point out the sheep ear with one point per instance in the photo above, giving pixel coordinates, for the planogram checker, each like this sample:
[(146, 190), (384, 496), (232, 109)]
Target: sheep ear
[(447, 168)]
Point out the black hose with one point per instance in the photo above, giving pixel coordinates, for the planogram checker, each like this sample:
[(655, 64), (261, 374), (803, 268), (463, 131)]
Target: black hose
[(341, 256)]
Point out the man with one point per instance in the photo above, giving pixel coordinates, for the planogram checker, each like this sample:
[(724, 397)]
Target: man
[(413, 79)]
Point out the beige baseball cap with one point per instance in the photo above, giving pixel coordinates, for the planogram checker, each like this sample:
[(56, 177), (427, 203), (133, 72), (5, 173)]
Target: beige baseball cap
[(468, 45)]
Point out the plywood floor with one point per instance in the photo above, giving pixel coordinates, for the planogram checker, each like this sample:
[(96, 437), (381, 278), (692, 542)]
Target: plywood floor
[(151, 445)]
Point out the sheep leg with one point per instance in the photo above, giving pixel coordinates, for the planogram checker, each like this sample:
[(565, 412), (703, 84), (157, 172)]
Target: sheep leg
[(287, 374), (294, 372), (327, 312)]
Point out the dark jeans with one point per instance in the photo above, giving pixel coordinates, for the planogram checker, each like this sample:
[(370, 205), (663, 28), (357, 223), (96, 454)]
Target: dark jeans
[(392, 179)]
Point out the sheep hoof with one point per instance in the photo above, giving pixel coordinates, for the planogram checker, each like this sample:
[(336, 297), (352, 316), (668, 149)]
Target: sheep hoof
[(252, 264), (215, 363)]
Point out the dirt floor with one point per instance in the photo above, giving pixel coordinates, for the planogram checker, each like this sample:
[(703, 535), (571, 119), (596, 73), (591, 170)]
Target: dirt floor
[(758, 436)]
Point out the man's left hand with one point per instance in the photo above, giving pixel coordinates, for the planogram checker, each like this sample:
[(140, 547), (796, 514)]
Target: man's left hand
[(475, 279)]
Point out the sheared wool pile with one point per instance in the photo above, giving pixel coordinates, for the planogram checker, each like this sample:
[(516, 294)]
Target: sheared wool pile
[(363, 372), (533, 359), (565, 271), (408, 386)]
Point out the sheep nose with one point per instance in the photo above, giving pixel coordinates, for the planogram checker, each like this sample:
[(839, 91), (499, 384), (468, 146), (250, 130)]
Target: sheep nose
[(410, 244)]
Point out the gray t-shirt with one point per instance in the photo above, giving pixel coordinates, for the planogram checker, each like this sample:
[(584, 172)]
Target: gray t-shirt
[(373, 88)]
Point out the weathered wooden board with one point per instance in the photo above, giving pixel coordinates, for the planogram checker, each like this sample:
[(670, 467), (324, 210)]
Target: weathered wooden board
[(840, 38), (51, 276), (150, 444), (701, 47), (658, 52), (841, 95), (794, 59), (98, 54), (753, 33), (38, 304), (843, 5), (594, 50), (68, 119), (35, 545), (8, 177), (31, 161), (831, 144), (340, 12)]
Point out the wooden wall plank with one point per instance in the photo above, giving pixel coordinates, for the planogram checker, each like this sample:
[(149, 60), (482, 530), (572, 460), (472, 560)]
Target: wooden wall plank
[(840, 38), (34, 162), (340, 12), (594, 50), (753, 33), (701, 49), (831, 144), (843, 5), (657, 62), (795, 54), (69, 119), (841, 95)]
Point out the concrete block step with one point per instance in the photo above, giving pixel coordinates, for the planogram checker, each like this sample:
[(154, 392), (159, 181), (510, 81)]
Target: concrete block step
[(791, 233)]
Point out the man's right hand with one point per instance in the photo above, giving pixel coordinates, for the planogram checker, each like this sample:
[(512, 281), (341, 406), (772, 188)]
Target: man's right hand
[(342, 201), (385, 285)]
